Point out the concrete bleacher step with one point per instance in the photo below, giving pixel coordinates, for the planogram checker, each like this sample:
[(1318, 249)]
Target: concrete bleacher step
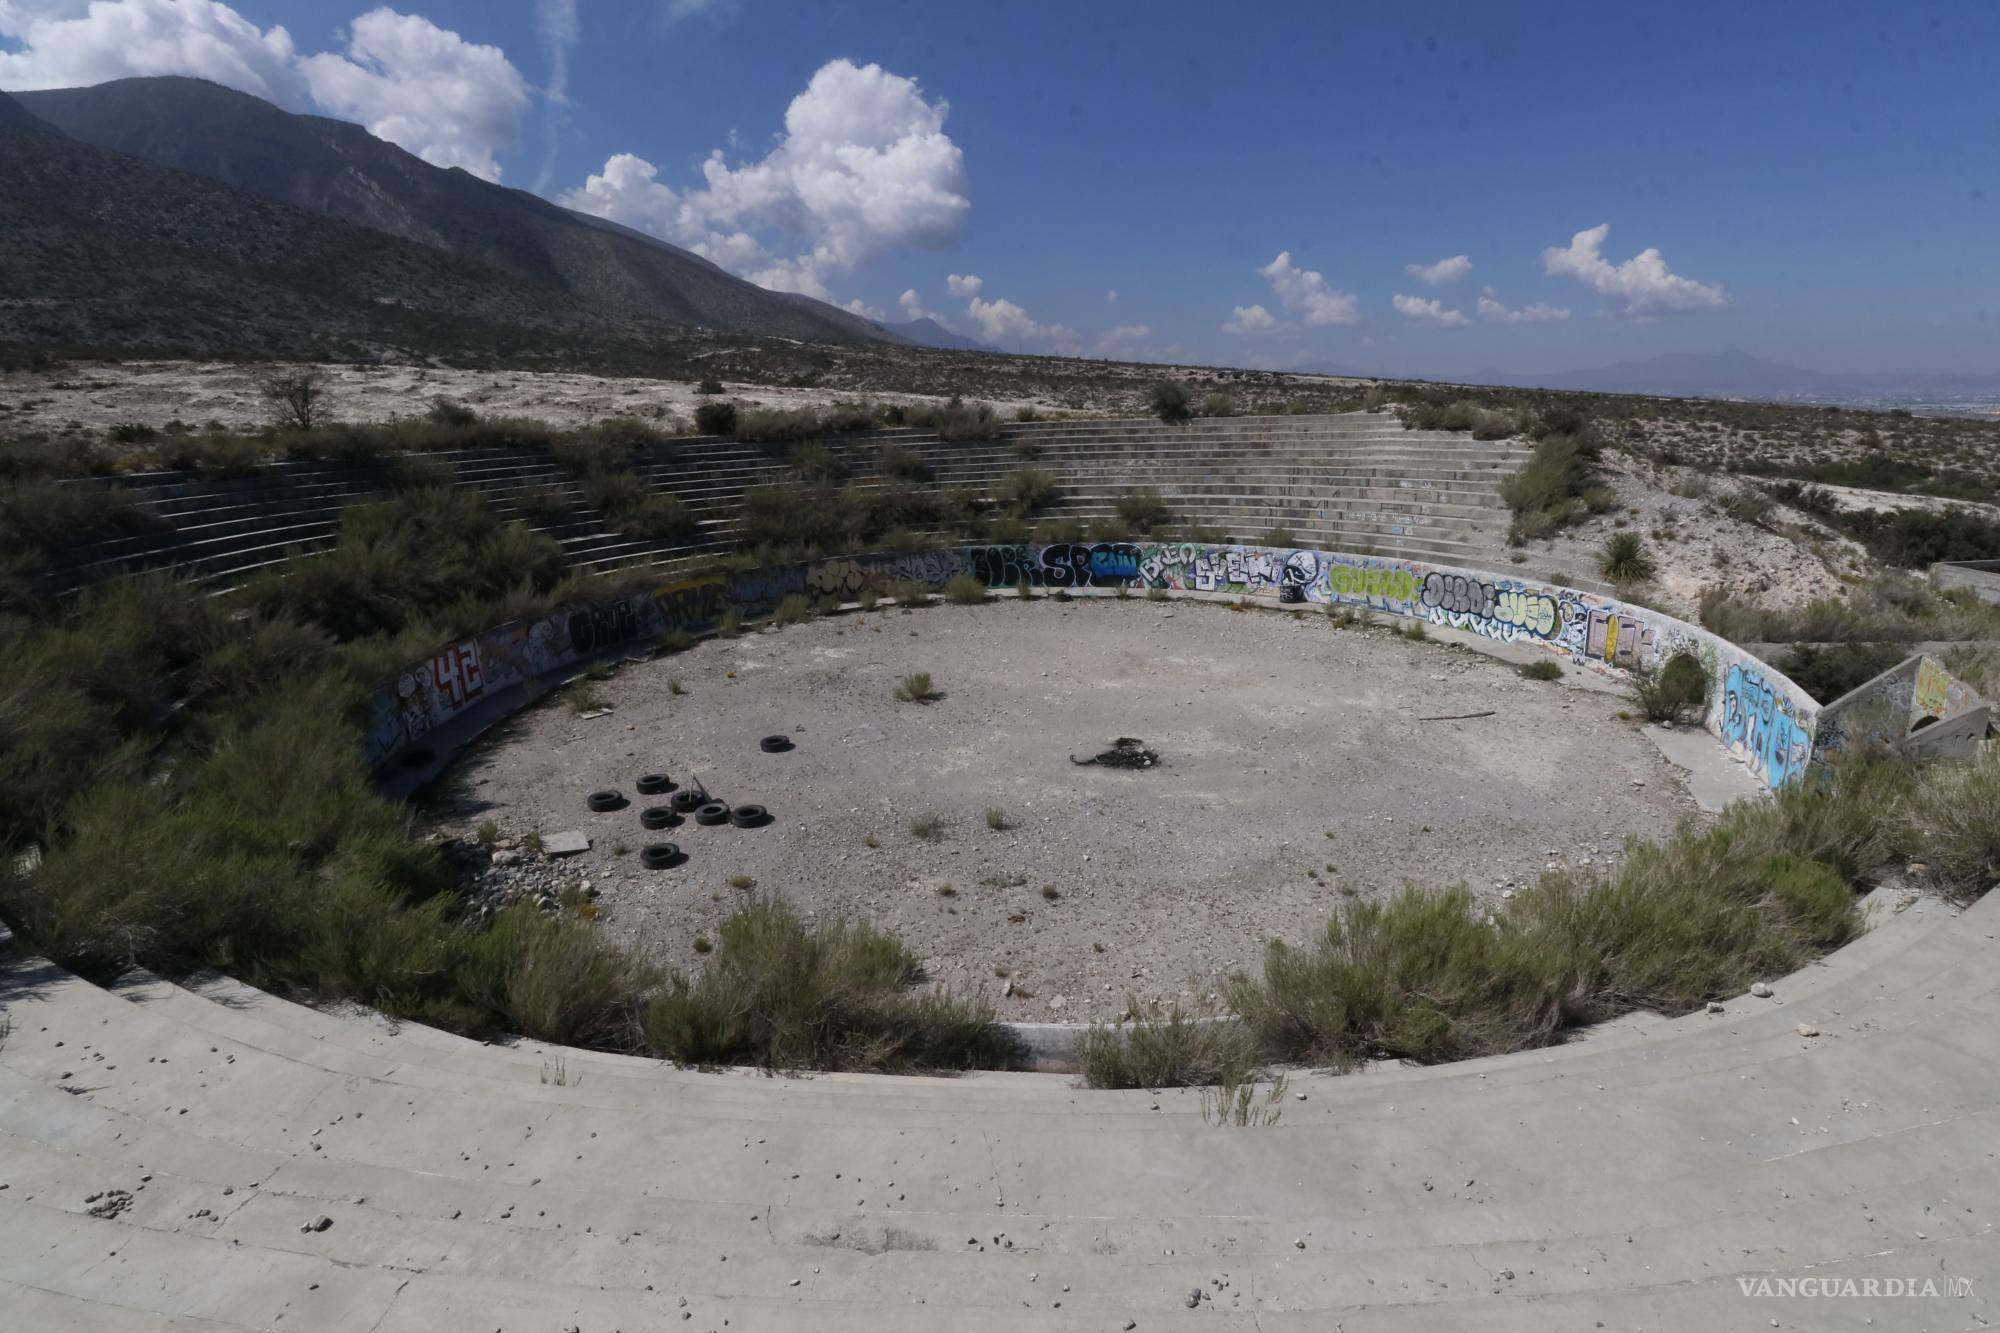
[(1631, 1175), (1341, 481)]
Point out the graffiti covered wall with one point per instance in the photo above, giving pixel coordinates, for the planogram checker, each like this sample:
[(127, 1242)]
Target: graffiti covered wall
[(1758, 714)]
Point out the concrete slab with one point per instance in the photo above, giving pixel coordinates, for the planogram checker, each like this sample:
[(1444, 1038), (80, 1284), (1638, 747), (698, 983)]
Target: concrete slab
[(1714, 779), (569, 843)]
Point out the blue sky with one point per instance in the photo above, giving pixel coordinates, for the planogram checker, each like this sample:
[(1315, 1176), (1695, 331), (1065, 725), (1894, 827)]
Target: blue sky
[(1820, 181)]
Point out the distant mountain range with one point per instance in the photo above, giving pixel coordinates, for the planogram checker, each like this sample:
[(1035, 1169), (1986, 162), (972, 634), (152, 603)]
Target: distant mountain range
[(173, 165), (1736, 374)]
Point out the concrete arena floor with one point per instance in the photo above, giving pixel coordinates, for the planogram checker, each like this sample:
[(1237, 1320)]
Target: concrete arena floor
[(1294, 770)]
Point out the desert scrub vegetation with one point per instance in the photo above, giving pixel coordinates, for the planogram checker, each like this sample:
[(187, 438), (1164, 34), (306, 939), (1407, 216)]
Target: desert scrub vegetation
[(1624, 558), (1546, 668), (783, 994), (190, 770), (1165, 1046), (964, 590), (1827, 671), (1559, 485), (1890, 608), (917, 688), (1142, 511), (1170, 402), (1029, 488), (1673, 692), (1431, 975)]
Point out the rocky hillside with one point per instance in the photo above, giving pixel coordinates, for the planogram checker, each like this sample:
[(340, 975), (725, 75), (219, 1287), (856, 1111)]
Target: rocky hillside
[(340, 171), (105, 250)]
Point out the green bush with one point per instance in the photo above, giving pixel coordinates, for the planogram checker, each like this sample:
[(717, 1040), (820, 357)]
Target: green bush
[(1545, 668), (1143, 510), (1030, 488), (1165, 1047), (1828, 671), (779, 993), (1169, 402), (964, 589), (715, 418), (1624, 559), (1673, 692), (1558, 486), (1219, 405)]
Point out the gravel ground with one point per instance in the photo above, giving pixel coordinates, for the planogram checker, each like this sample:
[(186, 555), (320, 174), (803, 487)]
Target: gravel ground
[(1293, 770)]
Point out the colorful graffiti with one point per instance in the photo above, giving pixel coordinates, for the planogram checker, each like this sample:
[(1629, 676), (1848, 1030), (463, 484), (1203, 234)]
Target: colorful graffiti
[(1757, 713), (1763, 724)]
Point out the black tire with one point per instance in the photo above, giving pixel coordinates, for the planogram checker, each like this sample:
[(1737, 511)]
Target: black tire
[(775, 744), (715, 812), (601, 801), (686, 802), (658, 816), (749, 816), (652, 784), (659, 855)]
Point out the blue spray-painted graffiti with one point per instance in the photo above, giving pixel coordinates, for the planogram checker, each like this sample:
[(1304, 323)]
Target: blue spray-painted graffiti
[(1759, 721)]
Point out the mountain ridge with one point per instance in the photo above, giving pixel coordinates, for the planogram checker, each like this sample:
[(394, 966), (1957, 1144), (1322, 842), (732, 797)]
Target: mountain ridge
[(340, 170)]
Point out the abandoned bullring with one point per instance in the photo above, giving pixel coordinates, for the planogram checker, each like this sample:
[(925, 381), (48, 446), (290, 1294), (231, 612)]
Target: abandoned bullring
[(1079, 873)]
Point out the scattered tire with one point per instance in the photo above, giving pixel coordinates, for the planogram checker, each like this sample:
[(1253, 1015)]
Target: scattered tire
[(658, 816), (601, 801), (659, 855), (775, 744), (715, 812), (686, 802), (652, 784), (749, 816)]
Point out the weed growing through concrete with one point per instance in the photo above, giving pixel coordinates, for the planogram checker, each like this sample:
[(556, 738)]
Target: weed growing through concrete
[(946, 891), (927, 827), (996, 818), (1234, 1102), (741, 882), (1543, 669), (1156, 594), (675, 685), (731, 623), (702, 945), (583, 696), (1050, 893), (1415, 630), (487, 833), (870, 840)]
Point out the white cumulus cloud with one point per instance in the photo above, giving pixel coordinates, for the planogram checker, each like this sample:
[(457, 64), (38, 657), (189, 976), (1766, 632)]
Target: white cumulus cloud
[(1005, 324), (1440, 273), (71, 45), (1251, 319), (1492, 309), (1643, 282), (450, 101), (1428, 310), (1305, 293), (964, 285), (864, 166)]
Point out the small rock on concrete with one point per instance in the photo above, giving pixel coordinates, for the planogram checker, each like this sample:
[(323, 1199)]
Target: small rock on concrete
[(1761, 991), (1715, 1006), (1808, 1030)]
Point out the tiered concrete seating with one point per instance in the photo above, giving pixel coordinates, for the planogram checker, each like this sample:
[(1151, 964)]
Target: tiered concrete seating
[(283, 1168), (1354, 482)]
